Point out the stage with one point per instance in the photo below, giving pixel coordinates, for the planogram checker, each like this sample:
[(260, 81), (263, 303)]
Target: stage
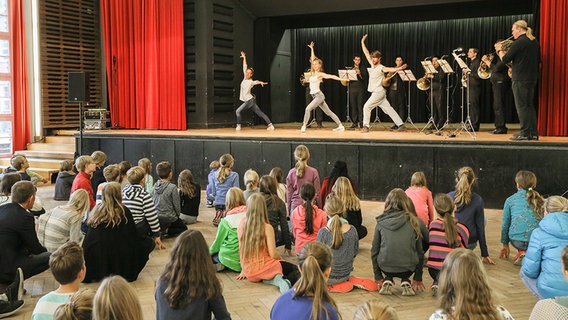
[(378, 160)]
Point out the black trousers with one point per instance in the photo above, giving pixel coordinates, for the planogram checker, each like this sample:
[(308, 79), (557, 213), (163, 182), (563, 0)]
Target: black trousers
[(290, 271), (356, 104), (404, 276), (501, 92), (524, 91), (439, 102), (474, 93), (396, 99), (434, 273)]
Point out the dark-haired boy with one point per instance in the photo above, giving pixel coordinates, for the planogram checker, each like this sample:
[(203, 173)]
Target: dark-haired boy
[(167, 201)]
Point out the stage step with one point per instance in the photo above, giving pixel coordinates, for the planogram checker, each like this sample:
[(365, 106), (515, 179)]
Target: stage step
[(51, 147), (60, 139)]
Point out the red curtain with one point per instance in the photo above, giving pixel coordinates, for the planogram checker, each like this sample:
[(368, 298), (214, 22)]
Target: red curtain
[(553, 97), (20, 100), (143, 42)]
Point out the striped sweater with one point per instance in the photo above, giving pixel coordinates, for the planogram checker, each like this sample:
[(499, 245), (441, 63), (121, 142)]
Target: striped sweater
[(439, 247), (140, 203)]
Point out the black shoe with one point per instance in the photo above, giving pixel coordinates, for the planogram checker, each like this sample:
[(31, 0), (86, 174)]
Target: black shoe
[(394, 127), (15, 291), (354, 126), (401, 128), (8, 308), (499, 131), (320, 125), (520, 138), (535, 138)]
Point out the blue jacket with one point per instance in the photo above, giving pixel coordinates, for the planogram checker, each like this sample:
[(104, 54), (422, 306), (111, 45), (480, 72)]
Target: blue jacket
[(542, 261), (519, 218), (219, 190)]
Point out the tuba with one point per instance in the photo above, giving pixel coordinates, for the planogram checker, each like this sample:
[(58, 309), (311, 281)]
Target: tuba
[(483, 71)]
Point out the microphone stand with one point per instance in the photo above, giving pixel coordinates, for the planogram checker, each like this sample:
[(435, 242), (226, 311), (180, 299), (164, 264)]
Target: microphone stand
[(464, 124)]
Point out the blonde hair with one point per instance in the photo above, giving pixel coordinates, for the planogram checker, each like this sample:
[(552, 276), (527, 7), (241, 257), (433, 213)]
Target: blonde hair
[(99, 158), (226, 161), (527, 181), (253, 239), (116, 300), (335, 209), (110, 212), (82, 162), (344, 190), (314, 259), (464, 179), (79, 201), (135, 175), (464, 291), (522, 24), (556, 204), (111, 172), (186, 184), (444, 206), (146, 164), (418, 179), (234, 198), (375, 310), (301, 154), (251, 179), (78, 307)]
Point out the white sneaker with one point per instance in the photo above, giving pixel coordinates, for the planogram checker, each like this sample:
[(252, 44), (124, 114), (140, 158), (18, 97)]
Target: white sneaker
[(339, 129), (238, 128), (270, 127), (303, 129)]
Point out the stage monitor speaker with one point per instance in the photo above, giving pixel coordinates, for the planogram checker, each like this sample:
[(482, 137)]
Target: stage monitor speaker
[(78, 87)]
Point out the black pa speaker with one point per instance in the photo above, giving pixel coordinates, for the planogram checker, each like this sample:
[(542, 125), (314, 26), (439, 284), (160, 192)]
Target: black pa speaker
[(78, 87)]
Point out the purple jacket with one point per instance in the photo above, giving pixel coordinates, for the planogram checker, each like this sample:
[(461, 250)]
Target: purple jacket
[(294, 184)]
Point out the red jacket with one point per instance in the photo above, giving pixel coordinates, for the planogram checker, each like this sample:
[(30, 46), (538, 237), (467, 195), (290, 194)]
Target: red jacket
[(83, 181)]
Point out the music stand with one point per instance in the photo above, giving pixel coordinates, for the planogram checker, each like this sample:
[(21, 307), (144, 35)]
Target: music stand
[(350, 75), (447, 70), (429, 69), (464, 123), (408, 76)]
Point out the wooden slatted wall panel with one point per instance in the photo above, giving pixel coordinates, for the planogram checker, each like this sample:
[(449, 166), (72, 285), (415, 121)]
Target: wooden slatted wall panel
[(70, 41), (189, 45), (224, 94)]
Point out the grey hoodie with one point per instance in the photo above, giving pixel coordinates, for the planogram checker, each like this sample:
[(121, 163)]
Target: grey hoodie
[(395, 246), (166, 200)]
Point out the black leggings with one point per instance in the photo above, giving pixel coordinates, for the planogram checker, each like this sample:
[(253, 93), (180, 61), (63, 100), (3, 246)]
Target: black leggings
[(404, 276), (290, 271), (434, 273)]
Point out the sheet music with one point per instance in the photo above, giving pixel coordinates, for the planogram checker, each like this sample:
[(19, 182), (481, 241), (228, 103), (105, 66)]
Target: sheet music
[(460, 62), (428, 67), (406, 75), (347, 74), (445, 66)]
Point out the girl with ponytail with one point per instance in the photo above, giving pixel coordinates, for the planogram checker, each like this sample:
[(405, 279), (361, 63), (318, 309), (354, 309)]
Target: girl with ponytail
[(307, 219), (224, 180), (301, 174), (342, 238), (521, 214), (446, 234), (343, 189), (309, 298), (470, 210)]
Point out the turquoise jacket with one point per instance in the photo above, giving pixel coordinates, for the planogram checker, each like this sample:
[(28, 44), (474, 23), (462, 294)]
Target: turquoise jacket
[(519, 218)]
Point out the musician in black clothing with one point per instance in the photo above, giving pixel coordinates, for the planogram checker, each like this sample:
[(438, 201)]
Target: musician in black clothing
[(356, 91), (524, 54), (501, 86), (438, 84), (396, 94), (474, 88)]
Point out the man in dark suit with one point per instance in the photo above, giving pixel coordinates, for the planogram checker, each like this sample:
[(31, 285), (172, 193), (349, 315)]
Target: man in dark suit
[(20, 247), (474, 88)]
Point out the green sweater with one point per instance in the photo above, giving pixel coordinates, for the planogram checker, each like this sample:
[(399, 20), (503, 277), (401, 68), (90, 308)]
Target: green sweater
[(226, 242)]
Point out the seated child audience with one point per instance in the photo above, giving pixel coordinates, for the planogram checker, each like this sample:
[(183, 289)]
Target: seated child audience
[(64, 181), (78, 307), (213, 167), (190, 197), (309, 298), (86, 166), (446, 234), (97, 178), (6, 185), (397, 246), (124, 166), (276, 213), (344, 190), (277, 174), (167, 201), (68, 268), (188, 288), (111, 174), (225, 179), (260, 260), (112, 245), (542, 271), (224, 250), (553, 308), (251, 182), (421, 197), (464, 291), (140, 204), (19, 246), (301, 174), (307, 219), (116, 300), (342, 238), (339, 170), (470, 211), (63, 223), (521, 214), (146, 164), (375, 310), (18, 164)]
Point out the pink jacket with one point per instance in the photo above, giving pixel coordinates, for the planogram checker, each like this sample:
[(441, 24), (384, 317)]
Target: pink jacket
[(299, 224), (423, 203)]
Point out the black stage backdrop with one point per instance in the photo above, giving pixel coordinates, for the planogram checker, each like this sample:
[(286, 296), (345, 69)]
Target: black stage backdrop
[(414, 41)]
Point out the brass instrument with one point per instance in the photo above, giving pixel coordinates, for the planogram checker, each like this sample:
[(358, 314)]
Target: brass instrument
[(483, 71), (423, 83), (505, 46), (464, 78), (387, 80)]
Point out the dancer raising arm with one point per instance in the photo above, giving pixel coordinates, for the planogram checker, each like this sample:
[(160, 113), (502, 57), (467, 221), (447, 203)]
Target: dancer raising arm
[(316, 77)]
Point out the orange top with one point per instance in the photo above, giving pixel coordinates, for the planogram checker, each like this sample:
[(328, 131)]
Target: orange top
[(265, 268)]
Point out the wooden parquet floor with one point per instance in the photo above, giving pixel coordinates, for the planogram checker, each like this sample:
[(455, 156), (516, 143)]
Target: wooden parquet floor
[(248, 301)]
